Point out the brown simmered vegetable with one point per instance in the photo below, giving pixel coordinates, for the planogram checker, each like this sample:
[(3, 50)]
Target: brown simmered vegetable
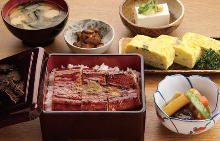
[(90, 38), (189, 106), (79, 35), (87, 46), (79, 44), (93, 39), (99, 45)]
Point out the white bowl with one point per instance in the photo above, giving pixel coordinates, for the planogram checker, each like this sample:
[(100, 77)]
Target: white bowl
[(106, 30), (179, 83)]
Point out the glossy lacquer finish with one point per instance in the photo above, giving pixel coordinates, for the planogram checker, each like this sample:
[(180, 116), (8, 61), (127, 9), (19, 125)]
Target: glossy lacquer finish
[(111, 125), (70, 125), (29, 64)]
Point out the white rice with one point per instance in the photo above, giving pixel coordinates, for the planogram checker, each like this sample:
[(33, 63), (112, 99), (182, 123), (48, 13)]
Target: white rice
[(136, 73), (105, 67), (70, 66), (48, 99)]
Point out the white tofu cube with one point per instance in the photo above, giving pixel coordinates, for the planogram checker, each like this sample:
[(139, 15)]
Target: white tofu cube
[(155, 20)]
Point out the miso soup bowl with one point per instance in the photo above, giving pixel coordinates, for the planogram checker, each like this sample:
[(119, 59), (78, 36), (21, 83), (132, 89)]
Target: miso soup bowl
[(41, 37), (179, 83)]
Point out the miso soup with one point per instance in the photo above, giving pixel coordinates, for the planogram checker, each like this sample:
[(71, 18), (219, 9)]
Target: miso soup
[(36, 15)]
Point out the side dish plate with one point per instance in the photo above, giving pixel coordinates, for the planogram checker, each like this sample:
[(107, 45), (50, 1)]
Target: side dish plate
[(175, 68)]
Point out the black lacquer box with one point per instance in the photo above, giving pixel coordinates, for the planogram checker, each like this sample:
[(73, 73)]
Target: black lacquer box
[(34, 66)]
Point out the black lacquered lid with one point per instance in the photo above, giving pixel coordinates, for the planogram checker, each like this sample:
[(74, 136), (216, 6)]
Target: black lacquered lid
[(31, 66)]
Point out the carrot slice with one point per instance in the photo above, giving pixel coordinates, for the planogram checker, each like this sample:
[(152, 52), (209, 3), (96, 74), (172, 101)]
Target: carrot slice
[(204, 101)]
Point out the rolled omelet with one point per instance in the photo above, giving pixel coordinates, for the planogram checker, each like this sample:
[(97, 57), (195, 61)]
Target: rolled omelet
[(156, 52), (186, 54), (168, 39), (162, 51), (201, 41)]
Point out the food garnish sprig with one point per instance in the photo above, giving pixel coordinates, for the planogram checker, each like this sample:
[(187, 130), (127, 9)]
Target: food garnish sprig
[(151, 7), (210, 60)]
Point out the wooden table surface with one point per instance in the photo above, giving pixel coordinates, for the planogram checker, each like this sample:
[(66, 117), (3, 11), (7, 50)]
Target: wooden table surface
[(201, 16)]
